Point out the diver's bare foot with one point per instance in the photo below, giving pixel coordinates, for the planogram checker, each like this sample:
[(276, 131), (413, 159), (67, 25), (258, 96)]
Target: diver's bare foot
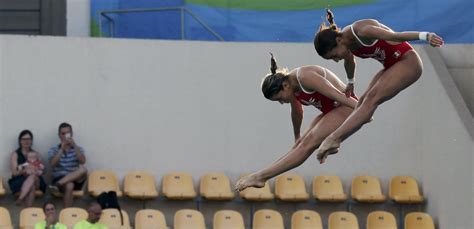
[(249, 181), (329, 146)]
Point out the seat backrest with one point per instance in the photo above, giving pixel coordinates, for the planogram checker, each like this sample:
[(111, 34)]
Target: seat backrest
[(30, 216), (266, 219), (178, 184), (403, 186), (103, 181), (111, 218), (2, 189), (366, 185), (214, 185), (327, 185), (381, 219), (189, 219), (70, 216), (228, 219), (139, 183), (289, 184), (306, 219), (150, 218), (342, 220), (5, 218), (418, 220)]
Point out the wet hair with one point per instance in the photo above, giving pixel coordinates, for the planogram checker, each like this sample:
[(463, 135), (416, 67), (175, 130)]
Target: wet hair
[(64, 125), (325, 39), (272, 83), (23, 133)]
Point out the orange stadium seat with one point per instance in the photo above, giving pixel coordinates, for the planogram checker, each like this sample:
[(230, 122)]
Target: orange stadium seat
[(367, 189), (70, 216), (215, 186), (111, 218), (404, 190), (228, 219), (189, 219), (178, 186), (381, 220), (149, 218), (30, 216), (342, 220), (290, 187), (418, 220), (103, 181), (328, 189), (5, 219), (306, 219), (267, 219), (140, 185)]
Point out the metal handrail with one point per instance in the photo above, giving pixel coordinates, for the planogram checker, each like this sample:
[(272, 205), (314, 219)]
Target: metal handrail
[(140, 10)]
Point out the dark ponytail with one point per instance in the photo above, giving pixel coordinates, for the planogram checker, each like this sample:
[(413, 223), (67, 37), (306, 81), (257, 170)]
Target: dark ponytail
[(325, 39), (273, 82)]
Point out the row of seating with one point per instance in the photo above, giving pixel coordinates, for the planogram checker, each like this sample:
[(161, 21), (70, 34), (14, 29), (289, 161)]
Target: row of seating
[(288, 187), (224, 219)]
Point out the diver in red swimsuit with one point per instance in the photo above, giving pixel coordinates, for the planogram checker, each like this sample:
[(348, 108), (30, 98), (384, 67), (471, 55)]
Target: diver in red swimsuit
[(369, 38)]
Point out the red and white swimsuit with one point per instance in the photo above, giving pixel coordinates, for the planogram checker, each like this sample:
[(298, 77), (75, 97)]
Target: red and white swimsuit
[(314, 98), (381, 50)]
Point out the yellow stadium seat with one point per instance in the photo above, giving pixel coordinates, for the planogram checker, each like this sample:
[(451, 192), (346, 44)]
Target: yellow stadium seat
[(5, 219), (111, 218), (228, 219), (178, 186), (140, 185), (215, 186), (70, 216), (103, 181), (367, 189), (189, 219), (149, 218), (290, 187), (418, 220), (381, 220), (267, 219), (75, 193), (328, 189), (257, 194), (30, 216), (2, 189), (404, 190), (342, 220), (306, 219)]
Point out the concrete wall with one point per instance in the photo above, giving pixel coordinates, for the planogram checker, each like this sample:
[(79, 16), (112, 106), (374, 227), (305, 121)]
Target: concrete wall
[(163, 106), (78, 18)]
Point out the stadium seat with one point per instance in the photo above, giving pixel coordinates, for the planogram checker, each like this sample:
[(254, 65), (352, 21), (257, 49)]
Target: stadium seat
[(228, 219), (149, 218), (178, 186), (342, 220), (111, 218), (290, 187), (418, 220), (38, 193), (70, 216), (306, 219), (367, 189), (381, 220), (140, 185), (103, 181), (189, 219), (267, 219), (215, 186), (75, 193), (257, 194), (2, 189), (30, 216), (404, 190), (328, 189), (5, 219)]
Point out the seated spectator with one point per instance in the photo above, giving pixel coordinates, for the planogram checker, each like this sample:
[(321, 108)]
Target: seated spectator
[(92, 222), (24, 180), (51, 220), (67, 161)]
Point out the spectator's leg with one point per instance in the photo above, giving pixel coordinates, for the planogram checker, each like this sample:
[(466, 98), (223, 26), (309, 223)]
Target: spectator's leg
[(79, 175), (67, 197), (27, 191)]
